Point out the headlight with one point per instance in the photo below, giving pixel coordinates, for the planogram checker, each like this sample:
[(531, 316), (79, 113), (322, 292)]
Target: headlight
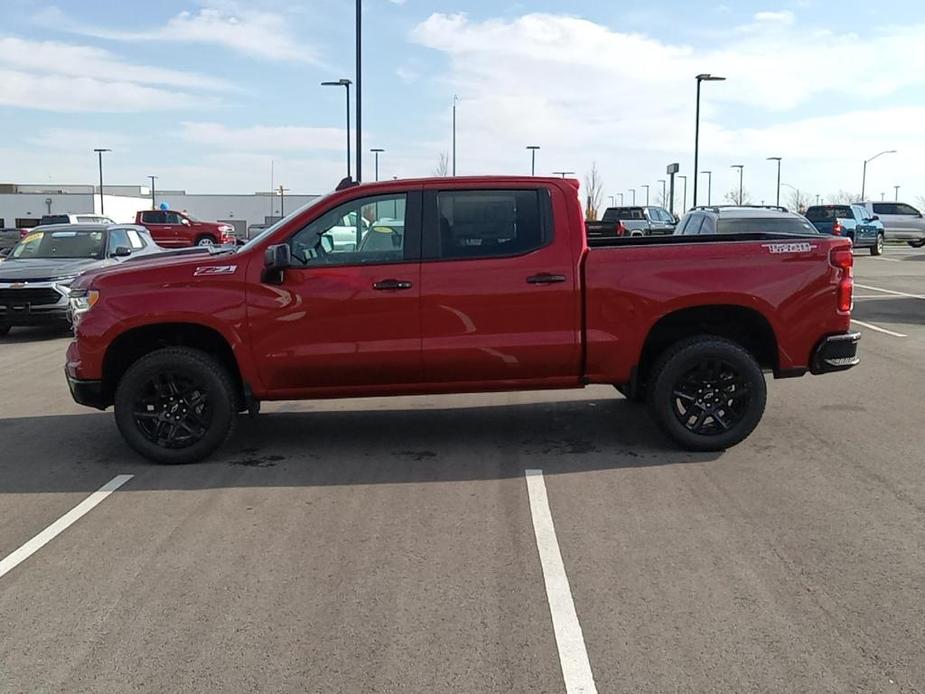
[(225, 228), (80, 302), (64, 282)]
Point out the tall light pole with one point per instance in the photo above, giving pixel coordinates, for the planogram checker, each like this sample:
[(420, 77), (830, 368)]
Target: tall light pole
[(864, 176), (359, 79), (684, 178), (709, 188), (705, 77), (741, 168), (612, 198), (99, 152), (345, 83), (455, 101), (662, 201), (817, 198), (777, 159), (533, 149), (621, 199), (633, 191), (153, 178), (282, 201), (896, 189), (377, 151), (646, 186), (564, 173)]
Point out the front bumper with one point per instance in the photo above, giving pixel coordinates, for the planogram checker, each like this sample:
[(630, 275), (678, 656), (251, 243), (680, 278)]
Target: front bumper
[(33, 303), (836, 353), (89, 393)]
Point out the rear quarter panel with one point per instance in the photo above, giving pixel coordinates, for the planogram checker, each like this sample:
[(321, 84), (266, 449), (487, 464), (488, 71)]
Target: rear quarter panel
[(629, 289)]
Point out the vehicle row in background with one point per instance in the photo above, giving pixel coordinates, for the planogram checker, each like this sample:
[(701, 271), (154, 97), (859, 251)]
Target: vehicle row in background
[(743, 219), (644, 220)]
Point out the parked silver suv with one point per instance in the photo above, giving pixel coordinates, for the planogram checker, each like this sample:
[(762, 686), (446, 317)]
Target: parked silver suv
[(900, 221)]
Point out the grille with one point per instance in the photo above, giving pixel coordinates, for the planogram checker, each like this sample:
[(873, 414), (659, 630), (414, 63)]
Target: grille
[(39, 296)]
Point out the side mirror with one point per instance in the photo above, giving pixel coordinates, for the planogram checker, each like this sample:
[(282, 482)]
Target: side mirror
[(875, 218), (184, 221), (121, 252), (275, 261)]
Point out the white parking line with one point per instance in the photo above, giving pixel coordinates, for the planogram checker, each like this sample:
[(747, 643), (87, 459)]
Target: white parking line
[(573, 655), (890, 291), (869, 326), (18, 556)]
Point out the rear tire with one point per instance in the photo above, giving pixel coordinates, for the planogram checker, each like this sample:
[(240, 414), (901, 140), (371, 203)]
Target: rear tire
[(625, 391), (918, 243), (175, 405), (877, 248), (707, 393), (5, 330)]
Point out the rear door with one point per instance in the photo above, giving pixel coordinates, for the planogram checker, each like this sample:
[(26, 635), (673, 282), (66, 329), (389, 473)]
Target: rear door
[(500, 296), (155, 221)]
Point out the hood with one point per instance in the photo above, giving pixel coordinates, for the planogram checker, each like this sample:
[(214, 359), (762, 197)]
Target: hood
[(38, 269), (192, 257)]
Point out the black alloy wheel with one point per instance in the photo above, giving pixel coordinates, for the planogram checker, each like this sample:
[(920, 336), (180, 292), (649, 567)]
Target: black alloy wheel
[(711, 397), (172, 409)]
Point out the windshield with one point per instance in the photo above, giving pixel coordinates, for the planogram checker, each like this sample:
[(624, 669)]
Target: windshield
[(770, 225), (60, 244), (273, 227)]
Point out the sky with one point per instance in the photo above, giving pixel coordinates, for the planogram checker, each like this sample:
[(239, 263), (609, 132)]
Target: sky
[(205, 94)]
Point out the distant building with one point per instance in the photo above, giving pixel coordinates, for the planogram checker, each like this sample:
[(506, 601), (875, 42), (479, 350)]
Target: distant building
[(23, 205)]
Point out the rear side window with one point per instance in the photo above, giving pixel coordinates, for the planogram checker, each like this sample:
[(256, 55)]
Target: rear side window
[(885, 208), (154, 217), (829, 213), (489, 223), (55, 219)]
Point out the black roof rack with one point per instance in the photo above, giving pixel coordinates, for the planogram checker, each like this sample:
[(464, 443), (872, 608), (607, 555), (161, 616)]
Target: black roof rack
[(717, 208)]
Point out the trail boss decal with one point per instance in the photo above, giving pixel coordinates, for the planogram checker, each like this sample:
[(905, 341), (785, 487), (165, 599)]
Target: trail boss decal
[(215, 270), (803, 247)]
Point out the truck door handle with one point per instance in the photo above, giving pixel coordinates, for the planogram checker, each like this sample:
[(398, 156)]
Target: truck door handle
[(392, 285), (545, 278)]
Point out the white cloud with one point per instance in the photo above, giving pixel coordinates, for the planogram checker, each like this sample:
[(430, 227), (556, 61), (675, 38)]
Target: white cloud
[(239, 28), (586, 92), (264, 138)]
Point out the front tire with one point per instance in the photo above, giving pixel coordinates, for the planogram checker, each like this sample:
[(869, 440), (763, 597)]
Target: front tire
[(205, 241), (707, 393), (5, 330), (175, 405), (877, 248)]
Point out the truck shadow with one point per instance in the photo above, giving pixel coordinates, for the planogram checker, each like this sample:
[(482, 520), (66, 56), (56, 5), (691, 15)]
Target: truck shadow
[(890, 310), (38, 333), (358, 447)]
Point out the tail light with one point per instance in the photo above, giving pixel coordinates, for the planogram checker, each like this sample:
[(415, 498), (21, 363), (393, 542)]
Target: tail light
[(843, 260), (837, 229)]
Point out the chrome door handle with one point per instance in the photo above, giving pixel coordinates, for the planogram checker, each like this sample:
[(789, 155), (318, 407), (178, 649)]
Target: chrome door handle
[(545, 278), (392, 285)]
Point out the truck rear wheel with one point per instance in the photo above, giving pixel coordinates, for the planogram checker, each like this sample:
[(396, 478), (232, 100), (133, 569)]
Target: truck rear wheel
[(707, 393), (175, 405), (918, 243)]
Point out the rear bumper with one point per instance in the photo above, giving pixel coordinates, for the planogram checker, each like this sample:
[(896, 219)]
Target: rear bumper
[(89, 393), (836, 353)]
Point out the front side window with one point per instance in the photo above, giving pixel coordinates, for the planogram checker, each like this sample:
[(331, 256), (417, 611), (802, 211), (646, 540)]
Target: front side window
[(907, 210), (885, 208), (360, 232), (489, 223), (118, 239), (174, 218)]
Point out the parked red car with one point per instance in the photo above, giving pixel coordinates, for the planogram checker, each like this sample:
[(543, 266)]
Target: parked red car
[(458, 285), (171, 229)]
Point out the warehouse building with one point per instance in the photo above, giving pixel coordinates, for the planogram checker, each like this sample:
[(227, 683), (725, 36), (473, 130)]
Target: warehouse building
[(23, 205)]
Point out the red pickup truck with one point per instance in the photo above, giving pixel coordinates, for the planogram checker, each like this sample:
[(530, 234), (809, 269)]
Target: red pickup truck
[(171, 229), (457, 285)]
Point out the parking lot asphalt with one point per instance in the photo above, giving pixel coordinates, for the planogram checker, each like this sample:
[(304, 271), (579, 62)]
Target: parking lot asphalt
[(390, 545)]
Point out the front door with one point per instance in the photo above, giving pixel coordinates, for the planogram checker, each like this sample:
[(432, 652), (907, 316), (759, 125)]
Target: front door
[(344, 317), (155, 221), (500, 301)]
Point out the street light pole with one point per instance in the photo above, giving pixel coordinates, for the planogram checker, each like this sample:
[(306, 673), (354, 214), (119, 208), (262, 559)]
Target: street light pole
[(282, 201), (741, 168), (896, 189), (377, 151), (621, 199), (359, 79), (533, 149), (777, 159), (99, 152), (345, 83), (455, 101), (709, 187), (864, 176), (633, 191), (153, 203), (646, 186), (612, 198), (705, 77)]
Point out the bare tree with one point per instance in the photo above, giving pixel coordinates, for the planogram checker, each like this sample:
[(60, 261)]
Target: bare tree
[(732, 197), (843, 197), (594, 189), (443, 165), (920, 200), (798, 201)]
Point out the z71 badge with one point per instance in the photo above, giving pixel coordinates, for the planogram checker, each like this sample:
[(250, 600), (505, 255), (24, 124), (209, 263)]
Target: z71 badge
[(803, 247), (215, 270)]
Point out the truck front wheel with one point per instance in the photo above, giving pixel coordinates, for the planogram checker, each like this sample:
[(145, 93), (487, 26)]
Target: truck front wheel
[(175, 405), (205, 241), (707, 393)]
